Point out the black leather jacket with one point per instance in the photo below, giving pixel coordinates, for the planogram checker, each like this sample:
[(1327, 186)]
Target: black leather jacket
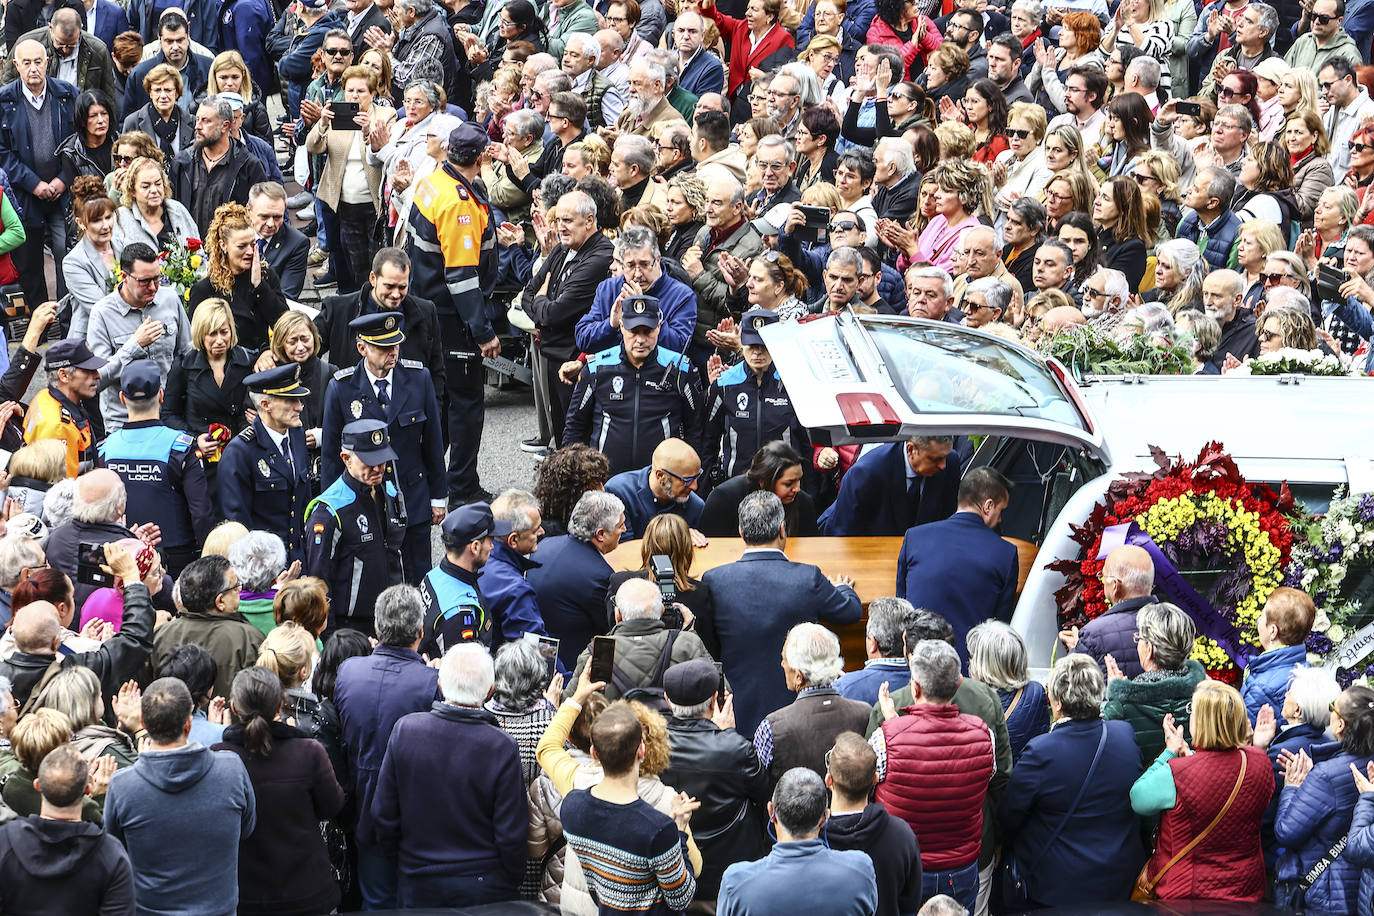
[(721, 769)]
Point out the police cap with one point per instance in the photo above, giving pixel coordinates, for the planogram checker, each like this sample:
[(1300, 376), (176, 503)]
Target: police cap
[(472, 523), (280, 382), (368, 440), (381, 329), (640, 312), (753, 322), (140, 380)]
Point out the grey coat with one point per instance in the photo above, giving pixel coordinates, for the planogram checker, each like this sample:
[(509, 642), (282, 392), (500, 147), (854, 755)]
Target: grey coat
[(131, 227), (88, 281)]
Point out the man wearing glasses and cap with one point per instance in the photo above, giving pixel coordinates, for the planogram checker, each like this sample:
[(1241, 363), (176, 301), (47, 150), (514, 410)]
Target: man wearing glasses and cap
[(631, 397), (355, 528), (264, 471), (399, 393), (57, 412), (452, 247), (454, 609)]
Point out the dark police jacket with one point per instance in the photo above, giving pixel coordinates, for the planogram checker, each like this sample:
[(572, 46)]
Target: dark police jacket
[(353, 542), (454, 609), (164, 480), (744, 413), (413, 422), (257, 488), (626, 412), (422, 342)]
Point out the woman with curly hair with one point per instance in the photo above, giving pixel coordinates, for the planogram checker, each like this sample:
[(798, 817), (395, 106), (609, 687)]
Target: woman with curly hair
[(900, 24), (239, 273), (561, 480), (149, 213), (686, 214), (1079, 38), (946, 74), (962, 190)]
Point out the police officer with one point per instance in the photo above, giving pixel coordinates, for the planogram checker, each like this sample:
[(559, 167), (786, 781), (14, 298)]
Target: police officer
[(631, 397), (452, 248), (161, 467), (400, 393), (354, 529), (57, 412), (454, 609), (747, 404), (264, 473)]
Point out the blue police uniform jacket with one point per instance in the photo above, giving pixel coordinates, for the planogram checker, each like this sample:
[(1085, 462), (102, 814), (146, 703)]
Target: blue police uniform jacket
[(259, 490), (352, 547), (744, 412), (625, 412), (454, 610), (413, 423), (164, 480)]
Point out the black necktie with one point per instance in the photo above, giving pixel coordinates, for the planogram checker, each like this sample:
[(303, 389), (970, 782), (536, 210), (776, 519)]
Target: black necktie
[(286, 453), (381, 393), (913, 498)]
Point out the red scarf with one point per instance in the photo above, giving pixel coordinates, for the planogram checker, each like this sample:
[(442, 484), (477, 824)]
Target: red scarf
[(1299, 157)]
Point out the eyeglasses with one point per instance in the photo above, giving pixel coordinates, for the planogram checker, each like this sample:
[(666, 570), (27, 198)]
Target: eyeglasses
[(772, 166), (1319, 19), (686, 481), (844, 225), (1360, 147), (123, 160), (1142, 176), (1018, 134), (615, 20), (145, 281), (338, 52), (1050, 195), (1272, 279), (1266, 336)]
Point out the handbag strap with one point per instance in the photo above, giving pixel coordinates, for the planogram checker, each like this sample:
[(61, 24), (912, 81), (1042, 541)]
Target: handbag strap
[(1326, 861), (1064, 821), (1015, 701), (1235, 790)]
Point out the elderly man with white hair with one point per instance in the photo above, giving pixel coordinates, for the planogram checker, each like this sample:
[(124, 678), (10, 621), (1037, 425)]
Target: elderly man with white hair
[(896, 180), (97, 518), (450, 801), (259, 557), (605, 99), (644, 647), (1105, 294), (798, 735), (648, 104)]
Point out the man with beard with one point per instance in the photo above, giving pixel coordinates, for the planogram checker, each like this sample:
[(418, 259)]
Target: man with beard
[(1105, 296), (218, 169), (1222, 292), (648, 104), (667, 485), (785, 103)]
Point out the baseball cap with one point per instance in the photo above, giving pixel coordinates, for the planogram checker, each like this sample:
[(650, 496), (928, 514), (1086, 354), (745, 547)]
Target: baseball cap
[(467, 139), (140, 380), (71, 354)]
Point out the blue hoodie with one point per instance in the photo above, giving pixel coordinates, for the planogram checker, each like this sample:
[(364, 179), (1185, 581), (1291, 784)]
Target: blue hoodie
[(176, 811)]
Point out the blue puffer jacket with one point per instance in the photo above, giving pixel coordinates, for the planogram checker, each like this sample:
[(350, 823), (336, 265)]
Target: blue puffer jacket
[(1266, 680), (1311, 818), (1360, 850), (1113, 634)]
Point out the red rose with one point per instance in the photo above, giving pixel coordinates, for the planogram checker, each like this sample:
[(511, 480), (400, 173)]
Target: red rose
[(192, 244)]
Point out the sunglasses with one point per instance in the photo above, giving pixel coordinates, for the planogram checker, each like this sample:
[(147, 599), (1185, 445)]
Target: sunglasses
[(1360, 147), (844, 225), (1018, 134), (1319, 19), (338, 52), (1267, 336), (1227, 92), (1272, 279)]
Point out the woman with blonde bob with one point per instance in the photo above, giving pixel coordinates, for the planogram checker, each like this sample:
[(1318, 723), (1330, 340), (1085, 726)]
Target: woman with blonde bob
[(1097, 853), (229, 73), (33, 470), (240, 274), (1216, 790), (205, 386), (295, 339), (75, 692)]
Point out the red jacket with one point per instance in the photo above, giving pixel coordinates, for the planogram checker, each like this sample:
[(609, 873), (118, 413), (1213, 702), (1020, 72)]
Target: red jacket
[(1229, 863), (736, 35), (939, 761)]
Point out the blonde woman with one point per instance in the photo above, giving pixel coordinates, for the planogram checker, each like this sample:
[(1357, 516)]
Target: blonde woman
[(1066, 192), (350, 183), (33, 470), (588, 156), (239, 273), (229, 73), (288, 651), (1157, 172), (296, 340), (1256, 240), (149, 214), (1066, 151), (1299, 92), (1020, 171), (205, 387)]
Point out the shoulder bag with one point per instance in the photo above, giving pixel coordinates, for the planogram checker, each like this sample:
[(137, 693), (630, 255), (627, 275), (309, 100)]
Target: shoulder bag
[(1011, 873), (1144, 889)]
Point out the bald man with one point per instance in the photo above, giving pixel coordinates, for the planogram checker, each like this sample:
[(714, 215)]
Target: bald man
[(668, 484), (1061, 317), (37, 635), (98, 517), (1128, 577)]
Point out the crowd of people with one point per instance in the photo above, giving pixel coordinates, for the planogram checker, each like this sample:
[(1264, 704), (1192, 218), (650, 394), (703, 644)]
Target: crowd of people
[(226, 629)]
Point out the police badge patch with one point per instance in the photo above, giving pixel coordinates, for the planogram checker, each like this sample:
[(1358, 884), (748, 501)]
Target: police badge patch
[(362, 524), (357, 409), (263, 469), (742, 401)]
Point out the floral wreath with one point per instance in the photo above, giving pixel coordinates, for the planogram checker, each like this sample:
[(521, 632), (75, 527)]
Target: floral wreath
[(1204, 517), (1291, 361), (1341, 539)]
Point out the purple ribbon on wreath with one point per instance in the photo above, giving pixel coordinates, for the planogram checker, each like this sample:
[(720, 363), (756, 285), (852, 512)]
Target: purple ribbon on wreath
[(1170, 582)]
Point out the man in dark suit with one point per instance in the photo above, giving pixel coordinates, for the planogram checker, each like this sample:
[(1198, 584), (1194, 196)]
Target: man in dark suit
[(73, 55), (896, 180), (758, 599), (363, 15), (36, 113), (959, 567), (573, 575), (400, 393), (110, 20), (282, 246), (387, 290), (562, 291), (870, 502)]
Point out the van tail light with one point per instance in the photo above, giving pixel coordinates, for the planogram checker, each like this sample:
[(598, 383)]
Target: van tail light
[(868, 415)]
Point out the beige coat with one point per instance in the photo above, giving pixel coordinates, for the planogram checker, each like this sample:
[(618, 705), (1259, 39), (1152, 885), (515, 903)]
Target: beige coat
[(662, 113), (335, 146)]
